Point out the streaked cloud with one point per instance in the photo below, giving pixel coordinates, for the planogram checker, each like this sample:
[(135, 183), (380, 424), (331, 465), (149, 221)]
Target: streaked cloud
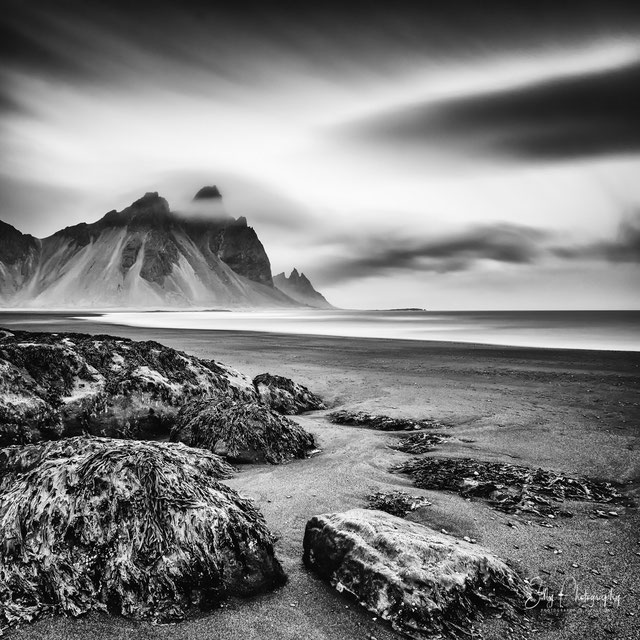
[(581, 115), (497, 244)]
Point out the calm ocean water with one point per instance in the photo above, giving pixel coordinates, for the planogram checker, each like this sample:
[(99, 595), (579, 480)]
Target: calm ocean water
[(602, 330)]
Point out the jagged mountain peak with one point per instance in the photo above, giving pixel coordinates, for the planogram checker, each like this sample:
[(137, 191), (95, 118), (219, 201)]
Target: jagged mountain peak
[(149, 209), (299, 287), (208, 193)]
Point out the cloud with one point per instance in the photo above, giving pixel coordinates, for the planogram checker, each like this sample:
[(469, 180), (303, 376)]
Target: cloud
[(505, 244), (502, 243), (582, 115)]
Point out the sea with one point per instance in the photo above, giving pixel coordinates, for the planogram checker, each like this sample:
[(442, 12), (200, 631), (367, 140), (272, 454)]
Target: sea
[(600, 330)]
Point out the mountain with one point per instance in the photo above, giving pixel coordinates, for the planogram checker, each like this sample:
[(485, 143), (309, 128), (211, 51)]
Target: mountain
[(298, 287), (143, 256), (18, 257)]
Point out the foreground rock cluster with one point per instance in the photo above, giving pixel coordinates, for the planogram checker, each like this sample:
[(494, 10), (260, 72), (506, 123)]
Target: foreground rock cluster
[(423, 582), (58, 385), (139, 529), (147, 530), (55, 385)]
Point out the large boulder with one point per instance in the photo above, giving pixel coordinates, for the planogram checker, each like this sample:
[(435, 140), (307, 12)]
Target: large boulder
[(424, 582), (242, 432), (284, 395), (69, 384), (140, 529)]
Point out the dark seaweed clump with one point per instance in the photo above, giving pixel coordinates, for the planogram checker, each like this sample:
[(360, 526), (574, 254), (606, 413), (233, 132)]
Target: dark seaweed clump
[(507, 487), (380, 423)]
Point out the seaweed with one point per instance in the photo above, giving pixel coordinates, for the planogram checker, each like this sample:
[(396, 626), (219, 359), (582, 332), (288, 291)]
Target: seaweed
[(381, 423), (241, 431), (140, 529), (54, 385), (397, 503), (284, 395), (423, 442), (507, 487)]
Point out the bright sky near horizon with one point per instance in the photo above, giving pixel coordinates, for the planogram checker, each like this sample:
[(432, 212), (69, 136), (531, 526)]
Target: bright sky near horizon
[(486, 157)]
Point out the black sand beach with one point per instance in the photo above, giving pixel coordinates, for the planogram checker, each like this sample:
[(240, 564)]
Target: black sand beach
[(574, 412)]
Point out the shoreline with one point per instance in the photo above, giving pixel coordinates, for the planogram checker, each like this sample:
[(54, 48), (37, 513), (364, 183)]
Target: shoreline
[(25, 320)]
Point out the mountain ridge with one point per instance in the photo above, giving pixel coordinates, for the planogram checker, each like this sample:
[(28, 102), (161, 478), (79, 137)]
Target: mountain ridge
[(145, 255)]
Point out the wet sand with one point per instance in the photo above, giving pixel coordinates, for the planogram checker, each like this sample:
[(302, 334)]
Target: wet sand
[(575, 412)]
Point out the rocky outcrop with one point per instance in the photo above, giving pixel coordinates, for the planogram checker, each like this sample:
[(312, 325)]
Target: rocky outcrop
[(284, 395), (239, 247), (145, 255), (243, 432), (138, 529), (68, 384), (299, 287), (423, 582)]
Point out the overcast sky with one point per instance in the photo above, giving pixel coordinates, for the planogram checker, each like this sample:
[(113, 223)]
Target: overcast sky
[(449, 159)]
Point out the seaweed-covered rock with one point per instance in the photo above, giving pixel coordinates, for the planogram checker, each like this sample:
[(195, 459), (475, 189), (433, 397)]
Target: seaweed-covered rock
[(241, 431), (140, 529), (68, 384), (425, 583), (509, 487), (380, 423), (284, 395)]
